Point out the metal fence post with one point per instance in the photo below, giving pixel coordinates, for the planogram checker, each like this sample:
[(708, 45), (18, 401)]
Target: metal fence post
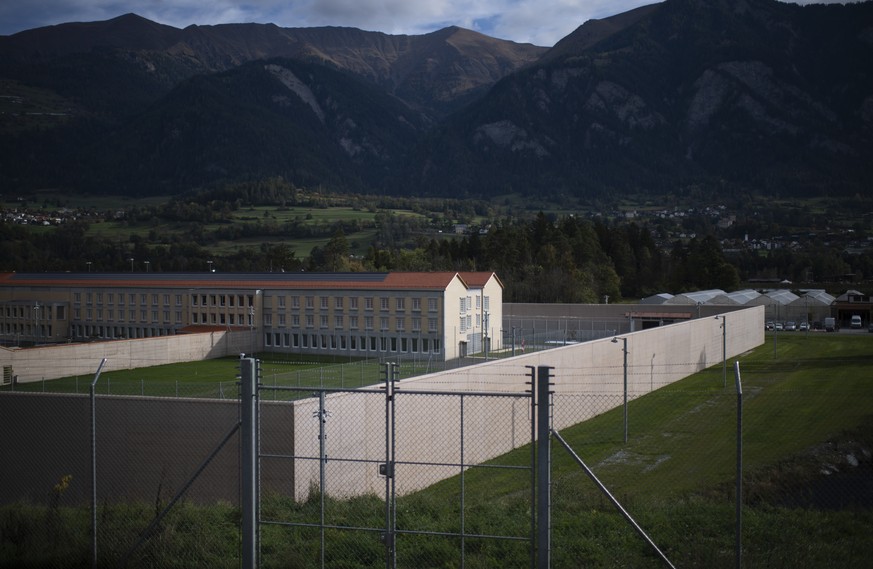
[(93, 397), (544, 460), (388, 469), (739, 528), (248, 461)]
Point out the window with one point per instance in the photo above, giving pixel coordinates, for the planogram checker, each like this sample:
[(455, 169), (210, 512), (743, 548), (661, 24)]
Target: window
[(487, 303), (338, 302), (268, 319), (77, 296), (310, 321), (478, 302), (416, 325), (295, 302), (295, 321), (462, 304), (323, 320), (353, 303), (368, 322), (383, 323), (281, 302), (166, 300), (353, 322), (401, 324), (401, 304), (178, 300), (432, 324), (310, 302), (324, 303), (416, 303), (368, 303), (338, 322), (282, 320), (99, 298), (383, 303), (463, 324)]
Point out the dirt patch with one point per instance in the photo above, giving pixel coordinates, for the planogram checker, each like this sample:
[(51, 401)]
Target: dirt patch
[(836, 475)]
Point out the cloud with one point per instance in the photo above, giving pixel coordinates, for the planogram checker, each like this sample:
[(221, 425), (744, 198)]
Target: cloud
[(541, 22)]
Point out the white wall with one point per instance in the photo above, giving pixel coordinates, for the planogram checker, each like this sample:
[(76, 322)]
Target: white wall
[(428, 425), (64, 360)]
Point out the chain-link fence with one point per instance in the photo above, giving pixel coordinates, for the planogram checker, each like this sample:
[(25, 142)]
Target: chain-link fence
[(369, 477)]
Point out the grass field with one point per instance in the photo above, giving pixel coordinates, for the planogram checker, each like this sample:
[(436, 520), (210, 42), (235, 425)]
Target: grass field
[(807, 485)]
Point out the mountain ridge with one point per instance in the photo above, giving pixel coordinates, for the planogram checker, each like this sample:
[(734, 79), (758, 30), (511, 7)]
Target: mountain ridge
[(751, 94)]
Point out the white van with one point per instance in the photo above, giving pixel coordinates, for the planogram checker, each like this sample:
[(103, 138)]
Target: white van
[(856, 321)]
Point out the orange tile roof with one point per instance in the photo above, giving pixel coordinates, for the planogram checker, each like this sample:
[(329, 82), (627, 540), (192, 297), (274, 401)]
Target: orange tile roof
[(324, 281), (479, 279)]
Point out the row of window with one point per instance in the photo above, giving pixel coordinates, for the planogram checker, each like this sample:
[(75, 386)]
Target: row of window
[(111, 315), (353, 302), (110, 298), (389, 344), (33, 312), (26, 330), (466, 303), (354, 321), (87, 331)]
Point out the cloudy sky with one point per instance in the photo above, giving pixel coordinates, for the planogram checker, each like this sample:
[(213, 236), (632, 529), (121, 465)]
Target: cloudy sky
[(541, 22)]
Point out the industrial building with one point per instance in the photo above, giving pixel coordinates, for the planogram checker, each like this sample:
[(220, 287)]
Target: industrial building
[(442, 315)]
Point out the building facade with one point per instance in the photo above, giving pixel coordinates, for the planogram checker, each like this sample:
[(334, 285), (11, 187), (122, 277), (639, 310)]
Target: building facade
[(438, 315)]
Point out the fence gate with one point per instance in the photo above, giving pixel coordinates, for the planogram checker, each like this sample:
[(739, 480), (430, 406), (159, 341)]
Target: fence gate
[(378, 477)]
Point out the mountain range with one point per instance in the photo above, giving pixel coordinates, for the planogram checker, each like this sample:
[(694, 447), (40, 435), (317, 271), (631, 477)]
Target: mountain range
[(746, 95)]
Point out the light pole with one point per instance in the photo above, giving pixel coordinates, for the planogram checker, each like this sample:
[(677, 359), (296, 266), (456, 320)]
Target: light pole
[(724, 348), (89, 265), (36, 323), (131, 264), (624, 349), (147, 263)]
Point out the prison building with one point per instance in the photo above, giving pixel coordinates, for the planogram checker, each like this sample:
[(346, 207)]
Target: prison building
[(442, 315)]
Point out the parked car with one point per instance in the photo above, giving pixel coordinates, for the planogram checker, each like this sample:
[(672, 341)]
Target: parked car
[(769, 326), (856, 321), (778, 327), (830, 324), (790, 326), (803, 327)]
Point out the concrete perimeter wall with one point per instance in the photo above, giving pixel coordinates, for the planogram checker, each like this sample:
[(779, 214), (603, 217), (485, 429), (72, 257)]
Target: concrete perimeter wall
[(65, 360), (656, 357), (147, 447)]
